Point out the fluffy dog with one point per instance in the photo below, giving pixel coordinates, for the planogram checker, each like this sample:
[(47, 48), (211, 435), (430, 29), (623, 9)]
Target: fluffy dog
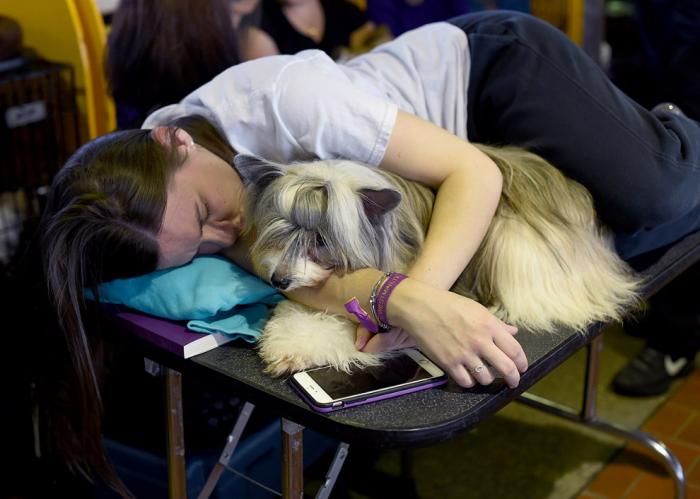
[(545, 263)]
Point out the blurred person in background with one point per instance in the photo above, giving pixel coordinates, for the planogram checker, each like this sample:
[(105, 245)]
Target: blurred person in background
[(656, 60), (402, 15), (338, 27), (158, 51)]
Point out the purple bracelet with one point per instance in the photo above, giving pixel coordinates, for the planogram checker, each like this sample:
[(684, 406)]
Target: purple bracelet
[(382, 299), (353, 307)]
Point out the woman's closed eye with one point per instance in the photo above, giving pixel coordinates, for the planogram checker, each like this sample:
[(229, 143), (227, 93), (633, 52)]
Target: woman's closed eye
[(203, 216)]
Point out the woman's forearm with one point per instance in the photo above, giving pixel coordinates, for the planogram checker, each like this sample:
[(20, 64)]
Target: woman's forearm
[(452, 330), (461, 215), (468, 185), (463, 209), (335, 291)]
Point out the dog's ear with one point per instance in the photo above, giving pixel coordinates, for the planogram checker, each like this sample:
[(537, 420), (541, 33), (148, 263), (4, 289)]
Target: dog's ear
[(378, 202), (256, 172)]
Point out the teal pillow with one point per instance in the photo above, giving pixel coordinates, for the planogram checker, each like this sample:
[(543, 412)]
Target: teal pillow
[(211, 292)]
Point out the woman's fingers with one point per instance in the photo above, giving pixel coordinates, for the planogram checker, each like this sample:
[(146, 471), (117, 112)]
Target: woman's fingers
[(502, 364), (362, 336), (501, 357), (498, 356), (485, 349), (480, 371), (461, 376), (509, 346), (391, 340), (457, 333)]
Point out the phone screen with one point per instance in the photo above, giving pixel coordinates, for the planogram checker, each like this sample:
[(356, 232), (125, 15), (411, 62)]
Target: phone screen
[(394, 371)]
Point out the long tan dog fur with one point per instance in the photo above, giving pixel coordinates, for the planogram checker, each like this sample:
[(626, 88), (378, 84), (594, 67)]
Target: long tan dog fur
[(544, 264)]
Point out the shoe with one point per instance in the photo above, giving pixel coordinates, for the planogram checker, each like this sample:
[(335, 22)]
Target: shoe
[(651, 373), (667, 107)]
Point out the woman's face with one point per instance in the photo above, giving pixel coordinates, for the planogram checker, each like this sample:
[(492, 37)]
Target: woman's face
[(205, 206)]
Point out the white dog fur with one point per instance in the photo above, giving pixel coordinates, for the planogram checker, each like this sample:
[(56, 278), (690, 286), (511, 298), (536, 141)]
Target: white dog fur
[(545, 263)]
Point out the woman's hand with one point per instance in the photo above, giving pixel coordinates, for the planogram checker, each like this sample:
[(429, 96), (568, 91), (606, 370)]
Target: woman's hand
[(457, 333), (394, 339)]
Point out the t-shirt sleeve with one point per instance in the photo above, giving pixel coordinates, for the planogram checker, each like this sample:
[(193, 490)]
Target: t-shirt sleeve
[(286, 108), (328, 116)]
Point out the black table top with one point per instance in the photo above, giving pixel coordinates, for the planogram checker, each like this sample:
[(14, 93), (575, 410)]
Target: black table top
[(420, 418)]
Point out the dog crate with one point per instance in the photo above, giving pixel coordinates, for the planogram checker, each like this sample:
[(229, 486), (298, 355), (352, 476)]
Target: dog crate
[(38, 131)]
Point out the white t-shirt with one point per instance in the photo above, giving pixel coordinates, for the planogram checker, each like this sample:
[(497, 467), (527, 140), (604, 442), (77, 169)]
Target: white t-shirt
[(304, 106)]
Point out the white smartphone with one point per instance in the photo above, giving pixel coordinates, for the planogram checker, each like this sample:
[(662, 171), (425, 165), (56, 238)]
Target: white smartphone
[(326, 389)]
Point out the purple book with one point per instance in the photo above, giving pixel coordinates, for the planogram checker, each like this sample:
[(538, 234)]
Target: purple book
[(171, 336)]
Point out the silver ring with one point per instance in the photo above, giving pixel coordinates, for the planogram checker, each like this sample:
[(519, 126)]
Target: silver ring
[(477, 369)]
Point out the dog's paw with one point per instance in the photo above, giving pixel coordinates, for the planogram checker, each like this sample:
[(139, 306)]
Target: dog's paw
[(285, 365), (289, 364), (298, 338)]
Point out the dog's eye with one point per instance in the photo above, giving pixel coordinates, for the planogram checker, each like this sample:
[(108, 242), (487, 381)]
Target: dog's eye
[(318, 251), (312, 253)]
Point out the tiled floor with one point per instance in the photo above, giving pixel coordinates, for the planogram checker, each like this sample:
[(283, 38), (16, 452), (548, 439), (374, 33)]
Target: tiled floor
[(637, 473)]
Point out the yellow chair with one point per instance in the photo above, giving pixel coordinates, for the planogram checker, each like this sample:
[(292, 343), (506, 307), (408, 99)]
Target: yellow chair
[(567, 15), (95, 36), (71, 32)]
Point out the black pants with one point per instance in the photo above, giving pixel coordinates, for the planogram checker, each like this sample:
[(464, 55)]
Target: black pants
[(670, 46), (532, 87), (671, 323)]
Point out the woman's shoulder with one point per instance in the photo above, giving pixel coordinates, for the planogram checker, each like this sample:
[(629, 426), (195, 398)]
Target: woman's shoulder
[(436, 33), (255, 78), (433, 45), (265, 71)]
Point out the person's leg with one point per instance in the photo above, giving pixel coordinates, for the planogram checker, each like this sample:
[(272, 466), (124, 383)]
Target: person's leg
[(531, 86), (672, 328), (675, 315), (670, 30), (680, 56)]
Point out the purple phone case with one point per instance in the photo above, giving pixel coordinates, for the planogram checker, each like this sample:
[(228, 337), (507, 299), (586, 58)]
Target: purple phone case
[(374, 398)]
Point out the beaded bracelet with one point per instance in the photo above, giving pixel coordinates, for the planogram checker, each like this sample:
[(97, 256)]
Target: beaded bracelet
[(383, 328), (381, 299)]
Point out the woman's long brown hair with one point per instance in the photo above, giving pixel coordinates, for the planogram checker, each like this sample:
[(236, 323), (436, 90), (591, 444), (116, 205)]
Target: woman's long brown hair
[(104, 211)]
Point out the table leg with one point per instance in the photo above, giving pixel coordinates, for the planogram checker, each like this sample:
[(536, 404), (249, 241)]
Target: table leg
[(340, 454), (292, 460), (177, 478), (588, 417), (231, 443)]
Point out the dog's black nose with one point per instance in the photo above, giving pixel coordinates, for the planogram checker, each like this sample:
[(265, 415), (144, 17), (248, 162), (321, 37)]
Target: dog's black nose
[(281, 283)]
